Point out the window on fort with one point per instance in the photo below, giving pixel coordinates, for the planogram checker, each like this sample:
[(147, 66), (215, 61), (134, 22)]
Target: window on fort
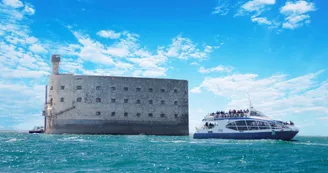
[(51, 88), (138, 89), (150, 114), (98, 100), (150, 90), (126, 89), (113, 114), (78, 87), (62, 87), (98, 113), (98, 87), (175, 91), (138, 101), (125, 114), (175, 102), (113, 100), (138, 114), (79, 99), (163, 90), (162, 102), (162, 115), (126, 100), (176, 115), (113, 88), (62, 99), (150, 101)]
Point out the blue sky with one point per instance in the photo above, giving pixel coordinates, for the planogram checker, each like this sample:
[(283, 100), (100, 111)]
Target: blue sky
[(274, 50)]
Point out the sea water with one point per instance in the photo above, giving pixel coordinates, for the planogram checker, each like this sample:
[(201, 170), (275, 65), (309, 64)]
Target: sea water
[(22, 152)]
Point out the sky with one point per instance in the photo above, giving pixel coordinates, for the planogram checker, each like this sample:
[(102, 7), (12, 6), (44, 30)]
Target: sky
[(274, 50)]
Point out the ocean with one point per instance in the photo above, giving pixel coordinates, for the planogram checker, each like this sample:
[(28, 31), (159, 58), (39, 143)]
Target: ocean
[(22, 152)]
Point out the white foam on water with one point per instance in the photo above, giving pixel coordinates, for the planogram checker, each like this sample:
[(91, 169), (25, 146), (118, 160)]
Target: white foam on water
[(14, 140)]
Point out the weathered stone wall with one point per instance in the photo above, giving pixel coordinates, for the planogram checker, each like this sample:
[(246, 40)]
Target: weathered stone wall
[(169, 106)]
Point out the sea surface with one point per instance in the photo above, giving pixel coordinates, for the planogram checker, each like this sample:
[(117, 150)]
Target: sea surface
[(22, 152)]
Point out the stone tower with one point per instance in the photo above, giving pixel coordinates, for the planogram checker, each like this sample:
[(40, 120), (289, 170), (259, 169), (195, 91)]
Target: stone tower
[(55, 60)]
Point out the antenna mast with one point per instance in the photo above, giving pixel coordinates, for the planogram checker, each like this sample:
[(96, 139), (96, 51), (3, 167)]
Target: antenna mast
[(250, 101)]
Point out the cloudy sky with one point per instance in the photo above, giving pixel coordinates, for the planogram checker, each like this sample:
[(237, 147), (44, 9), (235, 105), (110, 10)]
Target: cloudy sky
[(277, 51)]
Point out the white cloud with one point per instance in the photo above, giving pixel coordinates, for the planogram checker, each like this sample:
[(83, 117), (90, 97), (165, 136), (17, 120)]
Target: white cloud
[(323, 118), (37, 48), (196, 90), (109, 34), (257, 7), (194, 63), (296, 14), (13, 3), (261, 20), (275, 95), (184, 48), (93, 51), (221, 9), (218, 68), (28, 9)]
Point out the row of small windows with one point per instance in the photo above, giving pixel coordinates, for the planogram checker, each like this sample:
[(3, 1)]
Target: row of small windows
[(137, 114), (98, 100), (114, 88)]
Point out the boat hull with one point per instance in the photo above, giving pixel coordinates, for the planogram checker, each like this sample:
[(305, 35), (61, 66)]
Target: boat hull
[(35, 131), (281, 135)]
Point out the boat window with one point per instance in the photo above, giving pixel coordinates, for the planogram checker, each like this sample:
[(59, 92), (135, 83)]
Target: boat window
[(126, 100), (78, 87), (138, 89), (175, 91), (162, 115), (62, 87), (263, 125), (98, 100), (125, 114), (162, 102), (98, 87), (126, 89), (176, 115), (252, 125), (231, 126), (175, 102), (138, 101), (241, 125), (79, 99), (275, 125), (257, 113)]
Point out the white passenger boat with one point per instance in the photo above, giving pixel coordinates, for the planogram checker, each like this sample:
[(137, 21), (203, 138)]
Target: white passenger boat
[(244, 124)]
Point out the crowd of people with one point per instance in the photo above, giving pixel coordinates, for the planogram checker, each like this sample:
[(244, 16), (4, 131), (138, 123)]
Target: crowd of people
[(231, 113)]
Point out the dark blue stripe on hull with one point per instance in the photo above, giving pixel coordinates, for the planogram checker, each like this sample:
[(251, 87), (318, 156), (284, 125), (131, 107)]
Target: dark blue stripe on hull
[(283, 135)]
